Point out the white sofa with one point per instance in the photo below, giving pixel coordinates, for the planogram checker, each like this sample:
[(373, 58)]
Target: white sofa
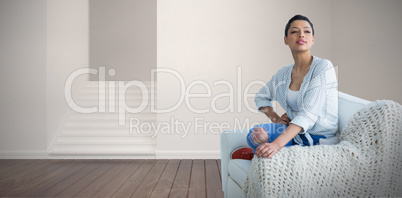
[(234, 172)]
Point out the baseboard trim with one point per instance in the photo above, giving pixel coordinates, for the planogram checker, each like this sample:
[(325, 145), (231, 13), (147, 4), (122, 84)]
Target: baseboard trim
[(173, 154), (102, 157), (159, 155), (24, 155)]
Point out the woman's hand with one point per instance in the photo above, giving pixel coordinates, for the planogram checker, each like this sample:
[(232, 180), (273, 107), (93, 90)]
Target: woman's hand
[(267, 150), (284, 119)]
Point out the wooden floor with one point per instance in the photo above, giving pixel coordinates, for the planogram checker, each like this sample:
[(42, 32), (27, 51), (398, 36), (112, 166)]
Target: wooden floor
[(110, 178)]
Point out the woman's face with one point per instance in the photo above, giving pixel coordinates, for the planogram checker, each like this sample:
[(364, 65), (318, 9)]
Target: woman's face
[(300, 36)]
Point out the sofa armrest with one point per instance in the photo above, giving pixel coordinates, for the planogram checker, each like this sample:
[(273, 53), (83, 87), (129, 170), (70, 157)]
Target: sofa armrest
[(230, 140)]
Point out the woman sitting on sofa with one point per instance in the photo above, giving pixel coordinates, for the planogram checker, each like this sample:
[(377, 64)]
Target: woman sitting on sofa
[(307, 90)]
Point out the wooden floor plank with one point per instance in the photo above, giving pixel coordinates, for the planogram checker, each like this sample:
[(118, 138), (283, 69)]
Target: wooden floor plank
[(129, 187), (197, 180), (113, 185), (43, 187), (89, 166), (213, 183), (53, 169), (219, 167), (182, 180), (22, 178), (87, 180), (14, 173), (100, 182), (148, 184), (5, 163), (162, 188), (14, 165)]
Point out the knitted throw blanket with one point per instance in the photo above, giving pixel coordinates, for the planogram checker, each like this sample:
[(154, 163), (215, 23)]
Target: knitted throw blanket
[(367, 161)]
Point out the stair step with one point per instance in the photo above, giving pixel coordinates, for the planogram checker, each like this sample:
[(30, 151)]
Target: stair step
[(146, 110), (96, 83), (130, 104), (104, 123), (103, 149), (110, 116), (130, 90), (129, 93), (95, 96), (107, 121), (109, 132), (105, 140), (116, 89)]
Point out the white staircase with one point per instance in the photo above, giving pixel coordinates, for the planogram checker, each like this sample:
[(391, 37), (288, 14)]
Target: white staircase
[(99, 135)]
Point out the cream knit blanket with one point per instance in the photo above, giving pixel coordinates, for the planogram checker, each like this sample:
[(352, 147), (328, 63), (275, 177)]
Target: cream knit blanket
[(367, 161)]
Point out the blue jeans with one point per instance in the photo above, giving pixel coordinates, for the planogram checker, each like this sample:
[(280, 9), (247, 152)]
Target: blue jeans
[(275, 130)]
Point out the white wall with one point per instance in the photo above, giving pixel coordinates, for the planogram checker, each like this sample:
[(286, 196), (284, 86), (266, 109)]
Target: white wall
[(42, 43), (207, 40), (67, 51), (367, 48), (23, 78), (123, 37)]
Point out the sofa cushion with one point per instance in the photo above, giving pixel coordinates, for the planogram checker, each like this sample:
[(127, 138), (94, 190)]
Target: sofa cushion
[(238, 170)]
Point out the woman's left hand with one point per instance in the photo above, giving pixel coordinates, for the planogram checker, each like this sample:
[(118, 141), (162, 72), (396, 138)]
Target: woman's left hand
[(267, 150)]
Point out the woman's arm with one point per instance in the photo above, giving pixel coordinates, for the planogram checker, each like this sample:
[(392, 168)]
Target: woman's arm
[(266, 95), (270, 113), (287, 135), (274, 117)]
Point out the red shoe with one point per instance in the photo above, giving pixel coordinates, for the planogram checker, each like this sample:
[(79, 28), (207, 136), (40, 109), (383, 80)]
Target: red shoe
[(243, 153)]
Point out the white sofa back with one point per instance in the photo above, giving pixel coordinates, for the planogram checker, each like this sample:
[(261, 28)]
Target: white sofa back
[(347, 106)]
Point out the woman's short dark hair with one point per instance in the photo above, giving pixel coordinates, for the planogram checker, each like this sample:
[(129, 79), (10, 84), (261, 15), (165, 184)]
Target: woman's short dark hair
[(297, 17)]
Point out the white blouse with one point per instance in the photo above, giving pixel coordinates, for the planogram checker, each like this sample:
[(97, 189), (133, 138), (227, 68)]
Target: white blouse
[(292, 100)]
